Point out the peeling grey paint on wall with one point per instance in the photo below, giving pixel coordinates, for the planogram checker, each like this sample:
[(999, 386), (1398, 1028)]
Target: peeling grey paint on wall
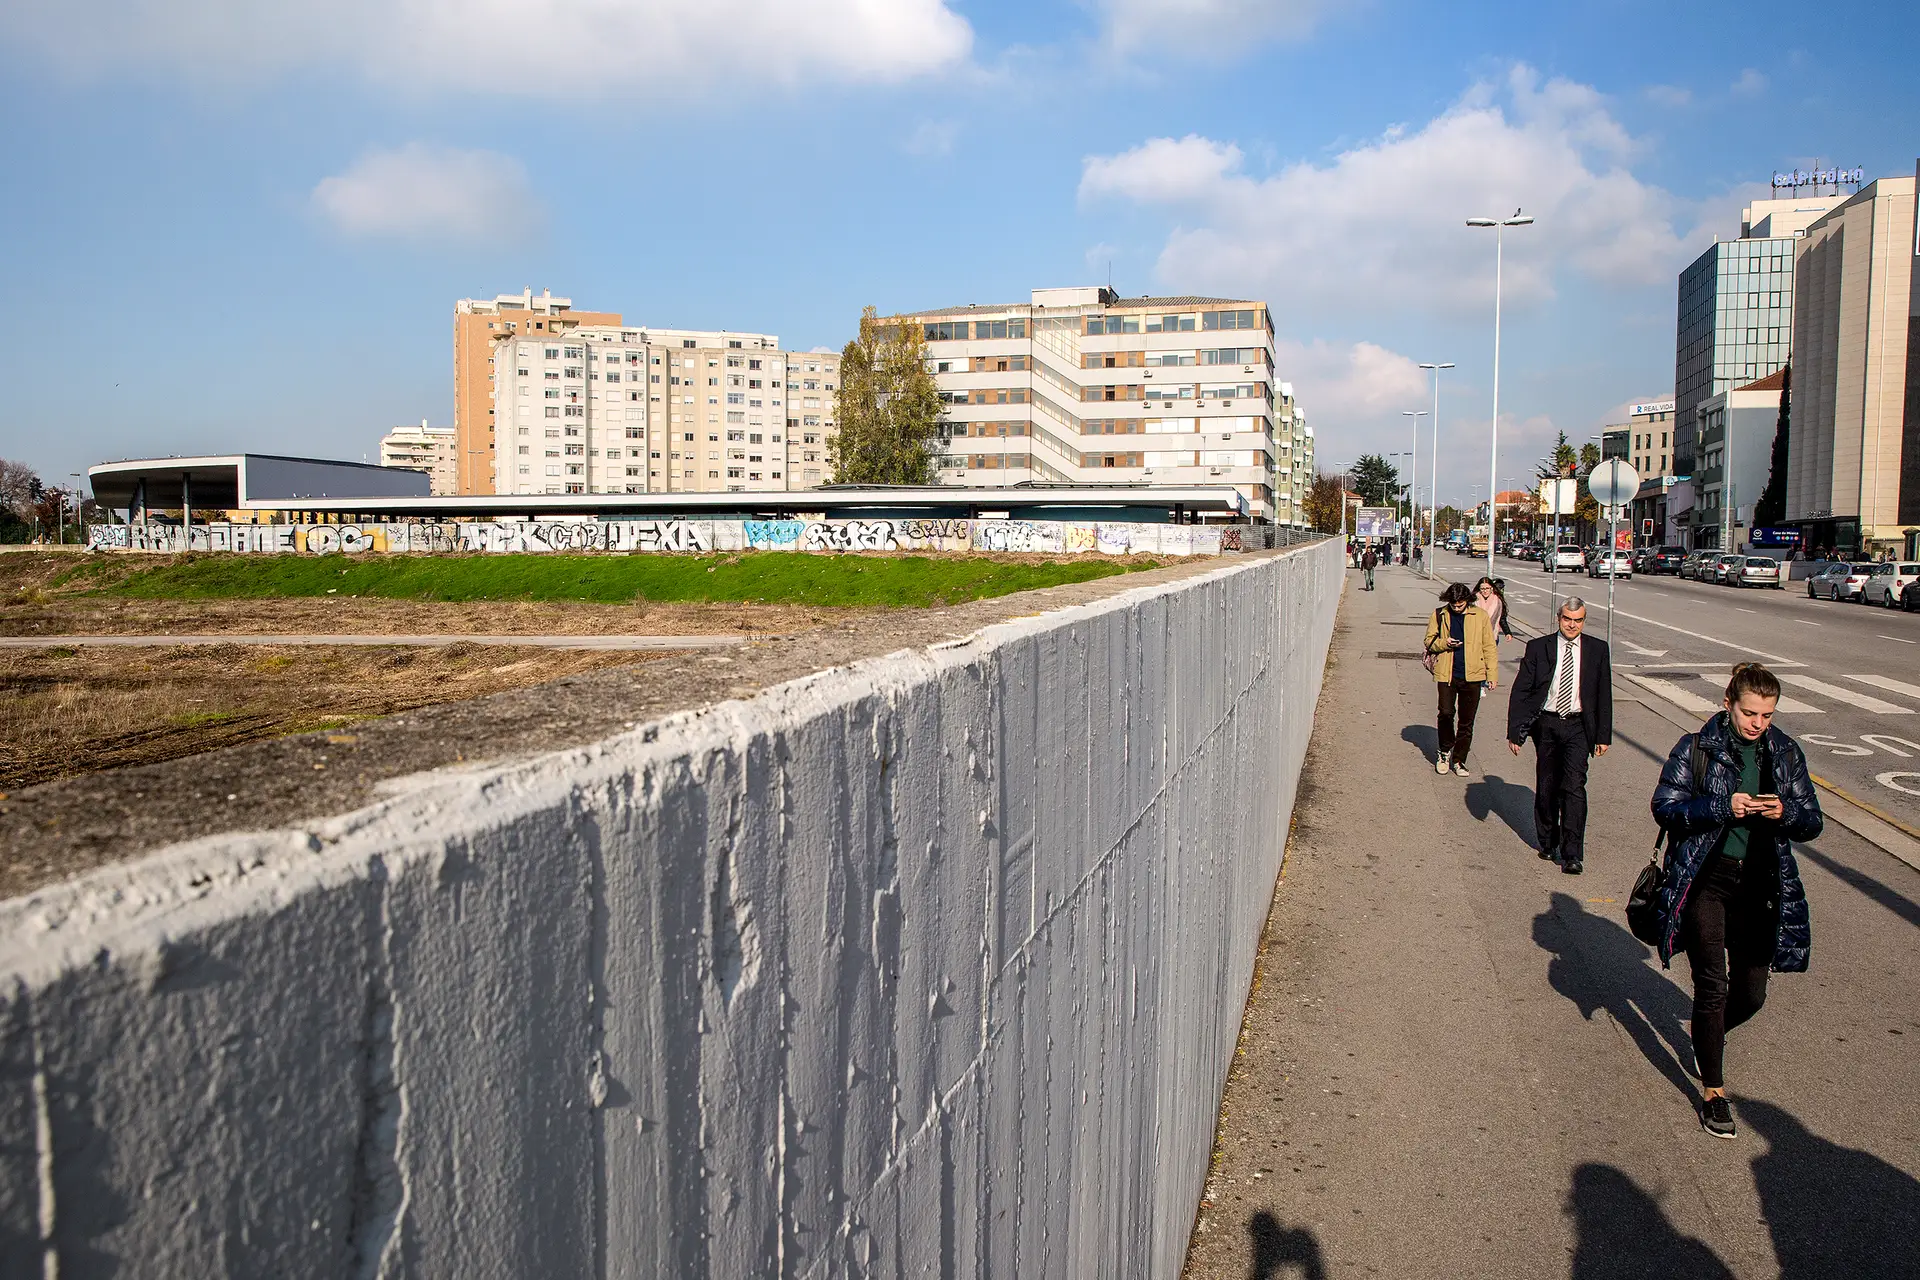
[(933, 964)]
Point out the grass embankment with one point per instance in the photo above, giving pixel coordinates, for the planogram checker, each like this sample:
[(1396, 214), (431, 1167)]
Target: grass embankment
[(766, 577)]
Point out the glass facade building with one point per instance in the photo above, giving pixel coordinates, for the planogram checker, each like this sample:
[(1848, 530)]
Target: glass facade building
[(1735, 325)]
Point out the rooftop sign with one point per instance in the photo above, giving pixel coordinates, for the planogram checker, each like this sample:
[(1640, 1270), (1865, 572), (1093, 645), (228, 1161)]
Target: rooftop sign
[(1794, 179), (1652, 406)]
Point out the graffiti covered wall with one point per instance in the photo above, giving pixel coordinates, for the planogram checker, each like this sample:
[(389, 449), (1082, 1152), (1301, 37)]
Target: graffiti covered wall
[(1050, 537)]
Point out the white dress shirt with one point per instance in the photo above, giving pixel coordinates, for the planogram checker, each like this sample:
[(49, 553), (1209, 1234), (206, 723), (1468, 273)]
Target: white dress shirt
[(1567, 652)]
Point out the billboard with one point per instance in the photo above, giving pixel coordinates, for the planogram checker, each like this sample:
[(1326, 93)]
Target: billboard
[(1376, 522)]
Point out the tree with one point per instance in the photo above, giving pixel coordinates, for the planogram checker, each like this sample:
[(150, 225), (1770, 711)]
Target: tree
[(1323, 503), (1376, 480), (21, 494), (889, 406), (1772, 505)]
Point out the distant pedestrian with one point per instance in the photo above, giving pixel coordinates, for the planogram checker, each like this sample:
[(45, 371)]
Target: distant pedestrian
[(1460, 641), (1731, 895), (1492, 599), (1367, 562), (1563, 699)]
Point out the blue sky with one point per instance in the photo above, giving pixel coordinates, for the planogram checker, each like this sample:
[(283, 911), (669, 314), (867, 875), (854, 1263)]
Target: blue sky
[(237, 225)]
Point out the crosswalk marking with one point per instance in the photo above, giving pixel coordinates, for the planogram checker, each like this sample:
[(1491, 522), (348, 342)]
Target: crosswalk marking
[(1890, 685), (1691, 703), (1851, 697)]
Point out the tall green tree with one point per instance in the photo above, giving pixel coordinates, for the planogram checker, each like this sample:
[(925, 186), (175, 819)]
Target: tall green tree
[(889, 406), (1376, 480), (1772, 505), (1322, 504)]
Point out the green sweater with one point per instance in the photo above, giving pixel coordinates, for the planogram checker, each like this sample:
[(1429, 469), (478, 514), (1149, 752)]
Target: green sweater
[(1741, 832)]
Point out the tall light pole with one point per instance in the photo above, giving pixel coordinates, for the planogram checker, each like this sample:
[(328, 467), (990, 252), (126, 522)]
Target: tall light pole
[(1433, 471), (1499, 226), (1413, 483)]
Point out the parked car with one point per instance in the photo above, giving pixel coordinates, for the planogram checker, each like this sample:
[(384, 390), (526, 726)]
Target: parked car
[(1755, 571), (1887, 582), (1605, 563), (1565, 557), (1838, 581), (1720, 565), (1666, 560), (1695, 565), (1910, 596)]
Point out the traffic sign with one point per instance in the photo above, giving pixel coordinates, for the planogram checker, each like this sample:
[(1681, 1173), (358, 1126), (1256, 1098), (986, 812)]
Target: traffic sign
[(1613, 483)]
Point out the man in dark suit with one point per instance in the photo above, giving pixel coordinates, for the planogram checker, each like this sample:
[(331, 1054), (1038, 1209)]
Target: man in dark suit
[(1563, 697)]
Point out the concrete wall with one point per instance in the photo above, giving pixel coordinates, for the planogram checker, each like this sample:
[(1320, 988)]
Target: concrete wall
[(932, 965)]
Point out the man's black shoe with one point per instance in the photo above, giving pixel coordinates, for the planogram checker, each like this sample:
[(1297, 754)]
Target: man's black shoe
[(1572, 866), (1716, 1117), (1549, 855)]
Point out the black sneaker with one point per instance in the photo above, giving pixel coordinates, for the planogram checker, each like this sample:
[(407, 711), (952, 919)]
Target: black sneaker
[(1573, 866), (1716, 1117)]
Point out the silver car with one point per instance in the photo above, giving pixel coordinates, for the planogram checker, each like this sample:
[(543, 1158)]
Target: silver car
[(1605, 563), (1755, 571), (1838, 581), (1718, 567)]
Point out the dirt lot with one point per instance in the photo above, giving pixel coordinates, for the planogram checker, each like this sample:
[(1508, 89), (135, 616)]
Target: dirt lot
[(74, 711)]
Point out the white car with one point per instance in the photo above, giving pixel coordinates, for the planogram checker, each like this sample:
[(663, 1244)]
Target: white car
[(1887, 581), (1617, 564), (1564, 557)]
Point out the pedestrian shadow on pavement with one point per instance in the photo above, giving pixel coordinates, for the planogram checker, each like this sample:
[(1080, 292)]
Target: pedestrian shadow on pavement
[(1833, 1211), (1598, 965), (1893, 900), (1621, 1233), (1513, 802), (1276, 1250), (1423, 736)]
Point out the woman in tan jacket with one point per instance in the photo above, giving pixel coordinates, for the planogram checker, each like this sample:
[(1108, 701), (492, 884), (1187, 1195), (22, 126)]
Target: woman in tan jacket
[(1460, 643)]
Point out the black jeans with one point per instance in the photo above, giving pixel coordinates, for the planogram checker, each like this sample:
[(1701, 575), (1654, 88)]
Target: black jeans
[(1459, 703), (1560, 785), (1729, 935)]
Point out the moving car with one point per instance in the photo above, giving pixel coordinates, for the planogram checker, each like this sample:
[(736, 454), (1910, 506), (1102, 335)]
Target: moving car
[(1564, 557), (1605, 563), (1887, 582), (1755, 571), (1838, 581)]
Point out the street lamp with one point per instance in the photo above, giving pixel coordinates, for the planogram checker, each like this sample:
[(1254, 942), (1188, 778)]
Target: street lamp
[(1413, 483), (1499, 226), (1433, 472)]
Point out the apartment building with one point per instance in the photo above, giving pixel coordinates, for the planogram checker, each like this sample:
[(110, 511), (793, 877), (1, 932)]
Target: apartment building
[(1082, 386), (611, 409), (477, 325), (1853, 466), (1645, 440), (1736, 427), (434, 450)]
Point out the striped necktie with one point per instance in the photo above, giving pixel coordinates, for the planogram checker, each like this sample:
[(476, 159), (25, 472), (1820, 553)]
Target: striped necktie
[(1563, 681)]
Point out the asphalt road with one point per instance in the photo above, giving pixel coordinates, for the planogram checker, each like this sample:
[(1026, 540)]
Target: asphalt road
[(1852, 672), (1457, 1062)]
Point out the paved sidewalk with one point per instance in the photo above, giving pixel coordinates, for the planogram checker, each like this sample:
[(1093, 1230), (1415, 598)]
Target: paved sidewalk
[(1458, 1063)]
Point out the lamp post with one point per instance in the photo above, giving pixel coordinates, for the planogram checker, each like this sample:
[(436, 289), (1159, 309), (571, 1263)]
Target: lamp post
[(1413, 485), (1396, 506), (1499, 226), (1433, 471)]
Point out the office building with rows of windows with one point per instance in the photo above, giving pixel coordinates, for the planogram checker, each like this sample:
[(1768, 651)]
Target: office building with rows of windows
[(1082, 386)]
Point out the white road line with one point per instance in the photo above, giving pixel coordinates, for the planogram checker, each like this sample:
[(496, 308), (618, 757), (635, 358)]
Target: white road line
[(1791, 706), (1692, 703), (1848, 696), (1803, 622), (1743, 610), (1774, 658), (1889, 684), (1901, 639)]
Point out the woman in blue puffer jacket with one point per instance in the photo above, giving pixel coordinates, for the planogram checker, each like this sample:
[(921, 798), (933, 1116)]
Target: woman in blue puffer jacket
[(1731, 895)]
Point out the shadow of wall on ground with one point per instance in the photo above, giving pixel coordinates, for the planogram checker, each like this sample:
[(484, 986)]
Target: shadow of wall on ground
[(1599, 965), (1278, 1250)]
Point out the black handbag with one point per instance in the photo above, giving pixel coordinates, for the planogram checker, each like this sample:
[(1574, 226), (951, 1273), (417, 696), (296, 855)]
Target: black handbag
[(1643, 909)]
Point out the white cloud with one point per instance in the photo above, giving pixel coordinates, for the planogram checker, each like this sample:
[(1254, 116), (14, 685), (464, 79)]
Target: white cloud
[(530, 48), (1671, 96), (1214, 27), (932, 138), (1382, 224), (1353, 392), (427, 193), (1750, 84)]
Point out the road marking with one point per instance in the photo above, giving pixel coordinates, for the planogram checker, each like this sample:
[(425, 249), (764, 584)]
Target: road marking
[(1901, 639), (1691, 703), (1645, 653), (1803, 622), (1889, 684), (1774, 658), (1848, 696), (1887, 780)]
